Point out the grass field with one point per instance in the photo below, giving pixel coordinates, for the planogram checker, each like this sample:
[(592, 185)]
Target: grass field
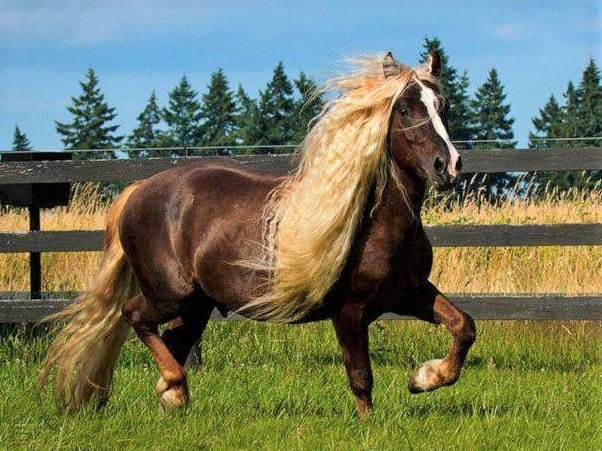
[(526, 385)]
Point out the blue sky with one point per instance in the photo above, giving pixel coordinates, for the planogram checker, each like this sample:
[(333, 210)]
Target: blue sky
[(139, 46)]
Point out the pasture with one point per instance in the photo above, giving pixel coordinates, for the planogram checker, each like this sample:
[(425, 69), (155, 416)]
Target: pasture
[(526, 384)]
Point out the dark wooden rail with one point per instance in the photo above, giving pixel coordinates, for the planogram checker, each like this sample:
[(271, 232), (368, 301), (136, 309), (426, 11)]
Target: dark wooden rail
[(495, 160), (480, 306), (440, 236), (484, 306)]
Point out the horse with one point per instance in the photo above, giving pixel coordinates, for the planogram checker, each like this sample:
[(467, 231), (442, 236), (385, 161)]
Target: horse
[(339, 239)]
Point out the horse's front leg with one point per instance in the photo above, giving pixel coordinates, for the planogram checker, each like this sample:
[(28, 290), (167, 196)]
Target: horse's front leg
[(434, 307), (352, 333)]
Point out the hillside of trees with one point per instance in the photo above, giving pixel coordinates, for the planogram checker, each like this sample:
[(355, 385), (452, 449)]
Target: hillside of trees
[(223, 119)]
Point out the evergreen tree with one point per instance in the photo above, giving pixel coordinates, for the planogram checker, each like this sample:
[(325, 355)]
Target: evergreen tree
[(306, 107), (183, 115), (460, 114), (146, 136), (589, 110), (549, 124), (571, 114), (91, 115), (20, 141), (218, 112), (247, 126), (492, 124), (276, 106), (454, 89), (579, 117), (589, 120)]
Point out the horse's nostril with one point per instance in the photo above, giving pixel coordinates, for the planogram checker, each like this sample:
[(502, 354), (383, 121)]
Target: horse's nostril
[(439, 165), (459, 164)]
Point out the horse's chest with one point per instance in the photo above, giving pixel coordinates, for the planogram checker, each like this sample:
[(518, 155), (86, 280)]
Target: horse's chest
[(394, 262), (420, 256), (410, 263)]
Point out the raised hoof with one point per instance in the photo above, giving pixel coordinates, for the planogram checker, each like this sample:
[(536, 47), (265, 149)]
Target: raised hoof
[(427, 377), (174, 397), (161, 386)]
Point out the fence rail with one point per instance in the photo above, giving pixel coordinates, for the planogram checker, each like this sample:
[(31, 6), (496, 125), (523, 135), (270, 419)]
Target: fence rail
[(480, 306), (484, 306), (494, 160), (440, 236)]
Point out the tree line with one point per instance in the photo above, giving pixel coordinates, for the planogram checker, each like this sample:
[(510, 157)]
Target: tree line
[(222, 118)]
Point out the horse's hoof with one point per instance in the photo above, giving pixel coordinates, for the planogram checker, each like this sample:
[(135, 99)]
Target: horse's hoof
[(171, 397), (174, 398), (427, 377), (161, 386)]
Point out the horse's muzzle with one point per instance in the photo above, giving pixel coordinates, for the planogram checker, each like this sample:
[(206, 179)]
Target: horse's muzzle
[(444, 182)]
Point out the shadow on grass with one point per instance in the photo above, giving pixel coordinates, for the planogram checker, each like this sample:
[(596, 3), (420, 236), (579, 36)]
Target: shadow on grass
[(457, 409)]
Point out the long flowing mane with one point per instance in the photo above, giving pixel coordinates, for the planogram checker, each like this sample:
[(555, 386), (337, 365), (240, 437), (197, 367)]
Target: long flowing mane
[(311, 219)]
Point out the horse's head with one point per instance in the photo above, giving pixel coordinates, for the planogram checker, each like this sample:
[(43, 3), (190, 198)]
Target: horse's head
[(418, 138)]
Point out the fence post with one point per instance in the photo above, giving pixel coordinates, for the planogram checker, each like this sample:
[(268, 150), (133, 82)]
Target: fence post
[(35, 263)]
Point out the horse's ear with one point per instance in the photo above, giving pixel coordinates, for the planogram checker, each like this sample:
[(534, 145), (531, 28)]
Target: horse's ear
[(391, 66), (433, 64)]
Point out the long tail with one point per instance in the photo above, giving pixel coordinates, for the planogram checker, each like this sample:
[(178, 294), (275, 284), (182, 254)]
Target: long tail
[(84, 352)]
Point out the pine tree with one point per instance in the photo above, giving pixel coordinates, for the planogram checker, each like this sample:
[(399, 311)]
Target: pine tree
[(218, 111), (492, 124), (91, 115), (20, 140), (306, 107), (454, 90), (581, 119), (589, 110), (461, 115), (183, 115), (589, 113), (276, 106), (549, 124), (146, 136), (247, 126), (571, 114)]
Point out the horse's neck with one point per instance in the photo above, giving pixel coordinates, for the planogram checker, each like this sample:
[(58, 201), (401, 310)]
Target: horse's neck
[(407, 204)]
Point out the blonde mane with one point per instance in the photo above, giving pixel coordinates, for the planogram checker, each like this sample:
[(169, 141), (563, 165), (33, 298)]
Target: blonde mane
[(312, 218)]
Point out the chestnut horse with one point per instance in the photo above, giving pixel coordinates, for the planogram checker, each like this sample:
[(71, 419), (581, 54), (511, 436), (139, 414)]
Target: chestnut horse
[(339, 239)]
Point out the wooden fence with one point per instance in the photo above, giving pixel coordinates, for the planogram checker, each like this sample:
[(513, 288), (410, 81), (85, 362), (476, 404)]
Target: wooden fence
[(484, 306)]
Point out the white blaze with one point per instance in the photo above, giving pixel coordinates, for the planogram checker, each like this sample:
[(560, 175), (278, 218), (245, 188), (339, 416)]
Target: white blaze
[(427, 96)]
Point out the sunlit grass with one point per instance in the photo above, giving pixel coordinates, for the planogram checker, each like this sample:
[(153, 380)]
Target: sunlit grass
[(526, 385)]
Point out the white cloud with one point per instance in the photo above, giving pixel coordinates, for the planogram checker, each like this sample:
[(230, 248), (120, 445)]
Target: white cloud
[(511, 32), (85, 22)]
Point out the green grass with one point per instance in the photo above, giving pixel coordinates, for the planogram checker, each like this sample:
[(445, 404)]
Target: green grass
[(526, 385)]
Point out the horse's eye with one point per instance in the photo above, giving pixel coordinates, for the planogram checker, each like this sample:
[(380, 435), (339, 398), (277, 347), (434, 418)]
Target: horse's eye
[(403, 111)]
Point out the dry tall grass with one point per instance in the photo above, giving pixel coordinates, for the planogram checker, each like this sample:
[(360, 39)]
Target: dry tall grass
[(569, 270), (60, 271)]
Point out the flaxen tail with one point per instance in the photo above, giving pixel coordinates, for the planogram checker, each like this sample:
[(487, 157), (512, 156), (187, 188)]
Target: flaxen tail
[(83, 353)]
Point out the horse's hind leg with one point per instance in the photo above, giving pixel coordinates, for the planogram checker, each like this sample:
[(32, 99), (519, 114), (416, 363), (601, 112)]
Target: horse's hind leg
[(434, 307), (145, 318), (186, 330)]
